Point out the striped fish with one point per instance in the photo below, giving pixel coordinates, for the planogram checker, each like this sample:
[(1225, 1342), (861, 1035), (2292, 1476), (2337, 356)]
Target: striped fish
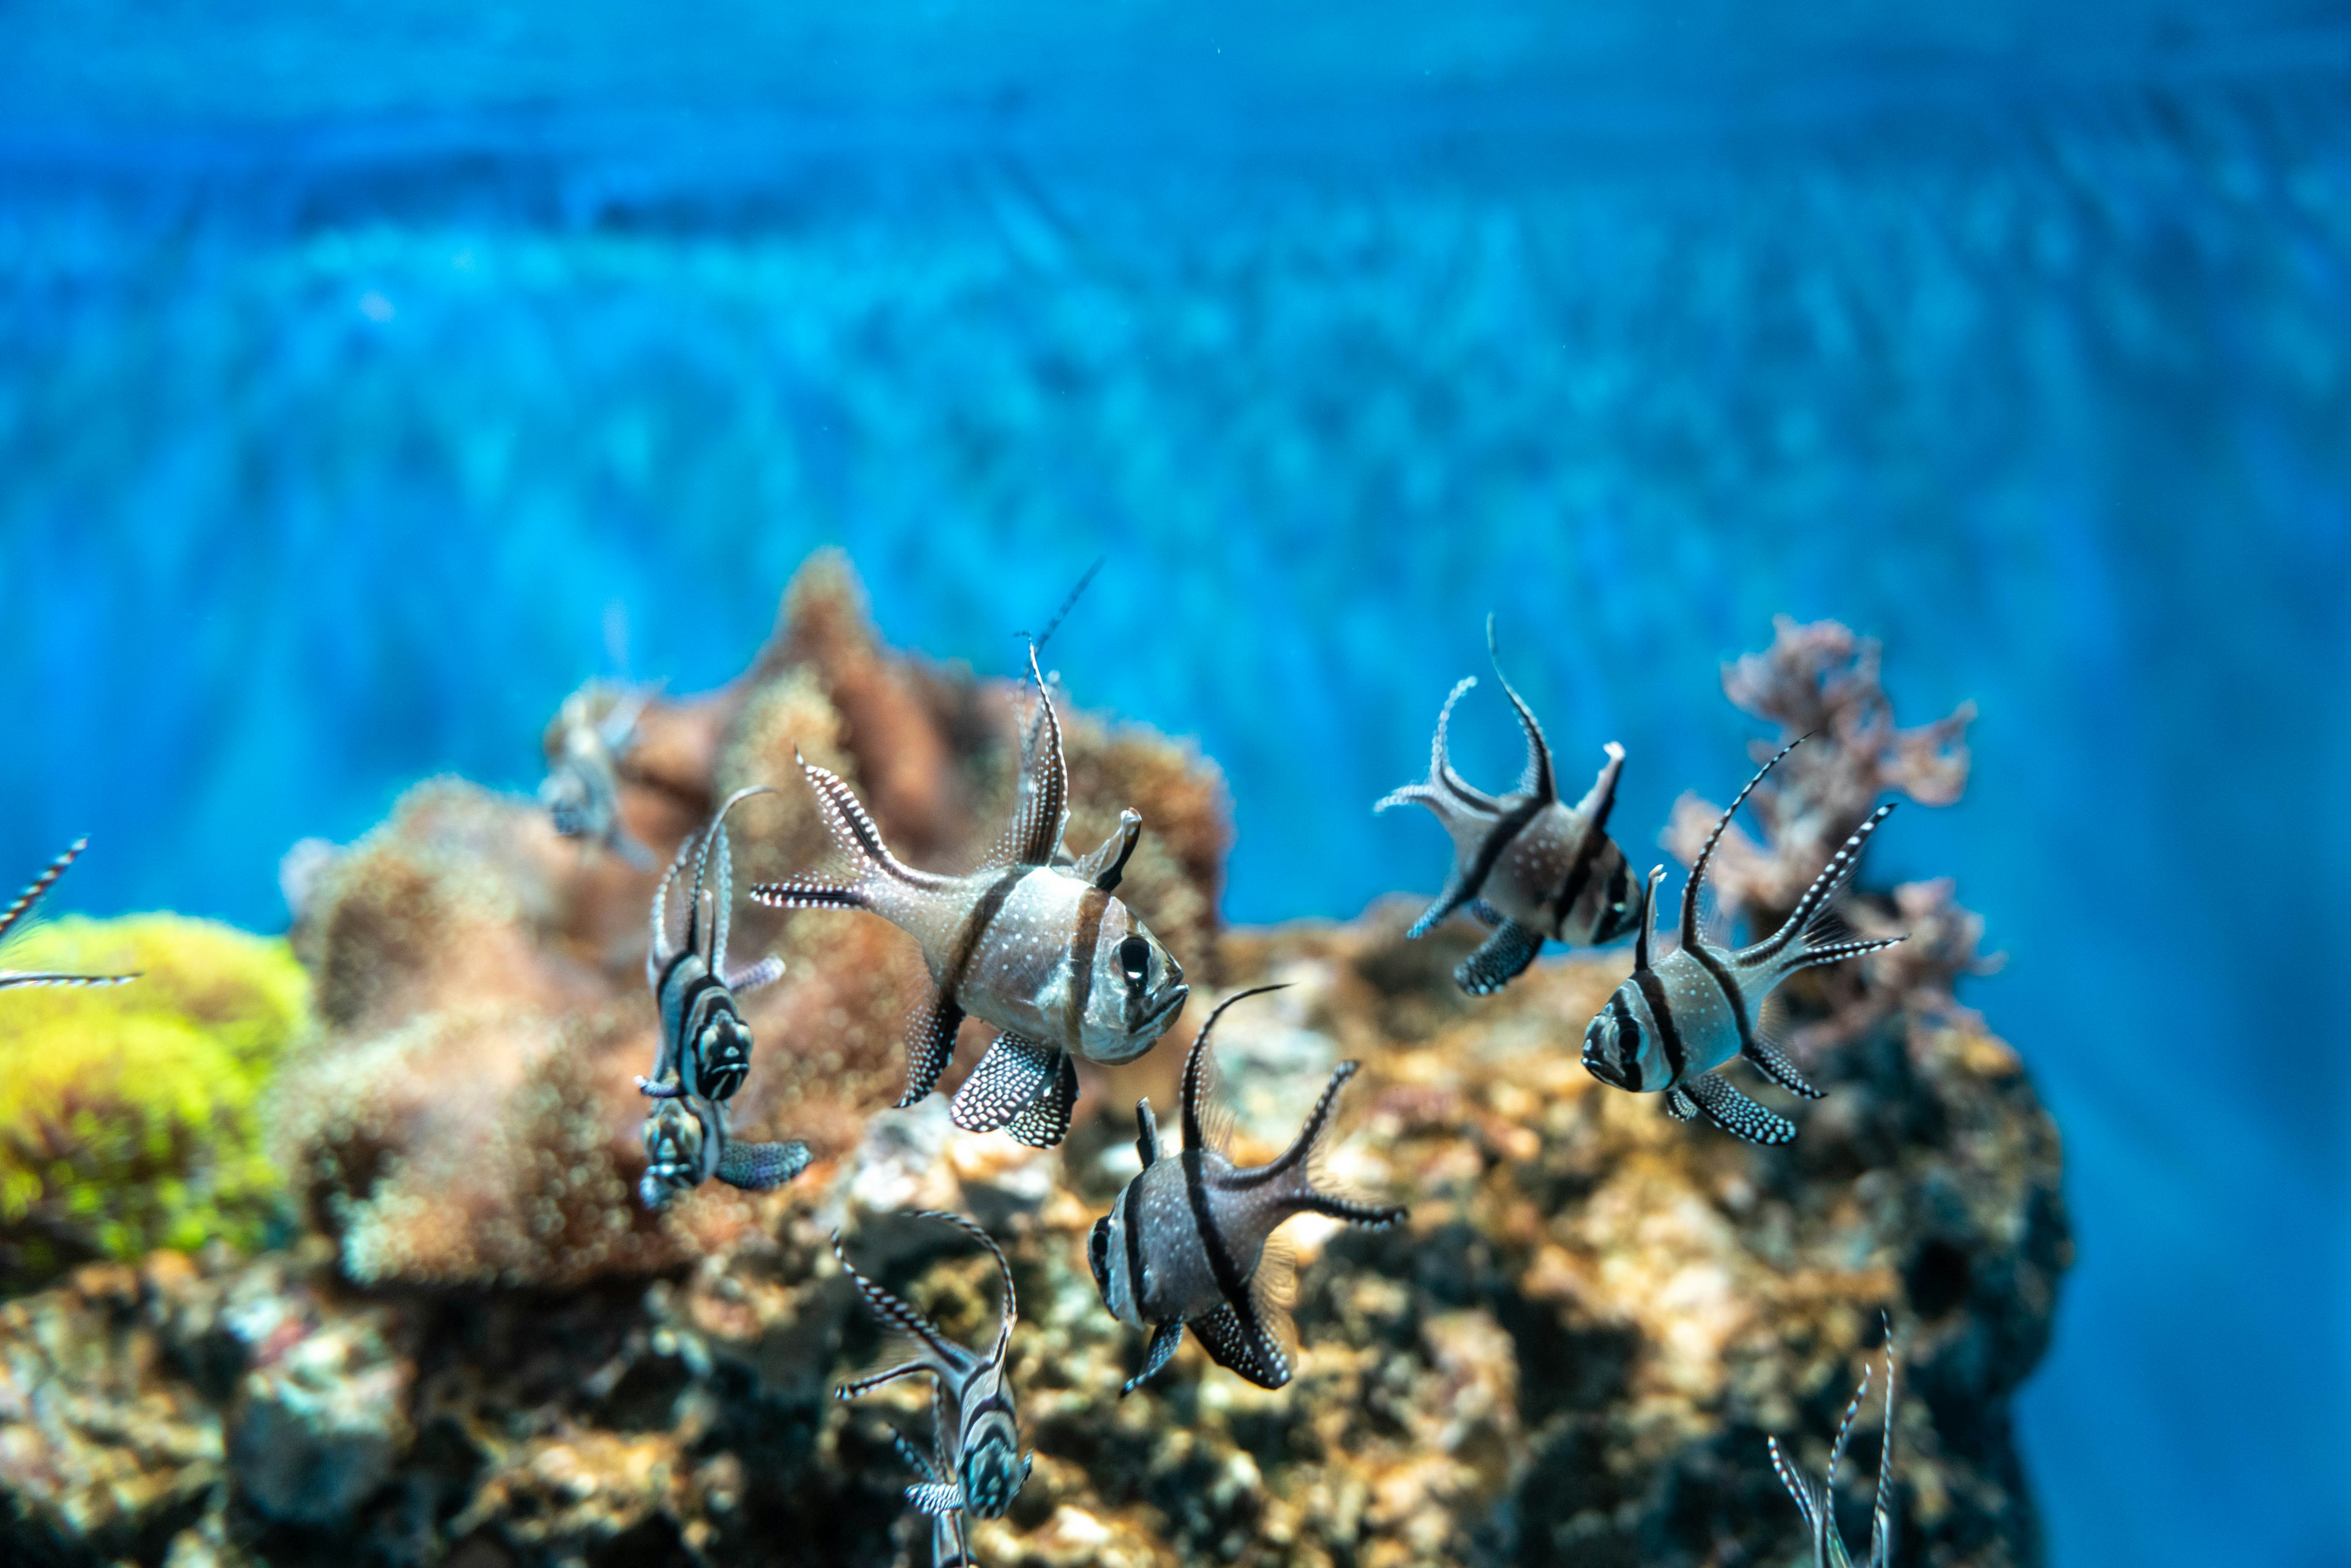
[(581, 790), (705, 1046), (1817, 1502), (1673, 1022), (23, 906), (1528, 863), (1186, 1241), (979, 1468), (1033, 943)]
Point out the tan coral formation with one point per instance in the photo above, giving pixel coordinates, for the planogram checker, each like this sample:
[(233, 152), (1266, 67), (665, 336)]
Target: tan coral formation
[(491, 1356), (468, 1112)]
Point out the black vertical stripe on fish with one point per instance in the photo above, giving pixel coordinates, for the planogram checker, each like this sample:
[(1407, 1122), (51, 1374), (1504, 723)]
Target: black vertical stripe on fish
[(1730, 992), (975, 927), (1579, 872), (1229, 1279), (1497, 839), (1669, 1034), (1133, 1219), (1092, 904)]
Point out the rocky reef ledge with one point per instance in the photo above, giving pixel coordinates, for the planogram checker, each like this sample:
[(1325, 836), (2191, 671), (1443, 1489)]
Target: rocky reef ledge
[(480, 1349)]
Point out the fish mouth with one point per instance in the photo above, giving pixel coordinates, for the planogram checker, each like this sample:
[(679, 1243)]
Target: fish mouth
[(1599, 1067), (1147, 1032)]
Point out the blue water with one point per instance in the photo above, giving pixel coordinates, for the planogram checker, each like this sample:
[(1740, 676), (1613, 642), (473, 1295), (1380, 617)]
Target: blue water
[(353, 360)]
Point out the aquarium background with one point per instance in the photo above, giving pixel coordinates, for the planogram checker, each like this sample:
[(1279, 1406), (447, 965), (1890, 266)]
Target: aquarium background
[(364, 371)]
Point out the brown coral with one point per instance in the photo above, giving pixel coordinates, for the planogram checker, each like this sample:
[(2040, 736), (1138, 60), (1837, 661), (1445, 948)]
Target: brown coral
[(468, 1113)]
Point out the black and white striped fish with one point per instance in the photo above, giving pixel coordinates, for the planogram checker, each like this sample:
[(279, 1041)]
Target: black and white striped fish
[(23, 906), (1529, 863), (1673, 1022), (705, 1046), (1817, 1502), (581, 790), (1033, 943), (1186, 1241), (979, 1468)]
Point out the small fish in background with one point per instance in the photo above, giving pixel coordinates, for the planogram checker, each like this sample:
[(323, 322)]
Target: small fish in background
[(1817, 1502), (1187, 1240), (23, 906), (705, 1046), (979, 1468), (581, 790), (1531, 867), (1673, 1021), (1033, 942)]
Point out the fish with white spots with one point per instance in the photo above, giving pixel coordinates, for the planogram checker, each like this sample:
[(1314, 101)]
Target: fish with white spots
[(1531, 865), (1676, 1020), (1034, 943), (705, 1046), (977, 1468), (1187, 1243)]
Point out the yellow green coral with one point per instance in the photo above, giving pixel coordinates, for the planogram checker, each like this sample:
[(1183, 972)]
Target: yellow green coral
[(131, 1115)]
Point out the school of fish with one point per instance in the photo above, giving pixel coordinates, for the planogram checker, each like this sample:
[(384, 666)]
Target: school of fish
[(1036, 943)]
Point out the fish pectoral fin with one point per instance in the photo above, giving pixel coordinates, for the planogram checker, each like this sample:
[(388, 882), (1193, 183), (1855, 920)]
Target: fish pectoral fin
[(930, 1044), (1680, 1105), (1500, 960), (1161, 1351), (762, 1168), (1772, 1063), (1006, 1078), (935, 1498), (1045, 1119), (1236, 1340), (1484, 913), (766, 972), (1735, 1113)]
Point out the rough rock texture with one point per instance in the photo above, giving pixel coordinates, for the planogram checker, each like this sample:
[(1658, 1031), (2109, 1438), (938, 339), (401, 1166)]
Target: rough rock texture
[(488, 1354)]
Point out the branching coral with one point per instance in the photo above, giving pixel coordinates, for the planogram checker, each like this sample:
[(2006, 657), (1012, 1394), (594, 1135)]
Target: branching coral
[(1822, 682), (130, 1116)]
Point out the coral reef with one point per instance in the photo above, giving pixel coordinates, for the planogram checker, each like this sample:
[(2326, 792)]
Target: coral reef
[(130, 1116), (489, 1354), (468, 1112)]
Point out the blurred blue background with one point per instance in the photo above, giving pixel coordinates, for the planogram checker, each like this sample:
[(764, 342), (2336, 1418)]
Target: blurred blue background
[(354, 358)]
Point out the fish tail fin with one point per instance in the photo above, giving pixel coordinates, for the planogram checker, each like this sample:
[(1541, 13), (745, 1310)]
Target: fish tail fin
[(1813, 933), (866, 871), (1304, 1168), (1799, 1485)]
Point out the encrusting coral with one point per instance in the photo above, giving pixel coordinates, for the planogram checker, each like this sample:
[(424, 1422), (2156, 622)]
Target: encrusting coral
[(1571, 1351), (130, 1116)]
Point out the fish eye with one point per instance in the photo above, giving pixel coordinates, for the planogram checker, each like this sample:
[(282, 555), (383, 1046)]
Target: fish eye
[(1098, 1255), (1135, 960)]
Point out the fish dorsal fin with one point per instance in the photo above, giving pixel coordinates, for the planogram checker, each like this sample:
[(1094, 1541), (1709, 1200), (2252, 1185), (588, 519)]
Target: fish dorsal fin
[(1011, 1300), (661, 948), (1200, 1129), (1600, 798), (1881, 1522), (1146, 1134), (1844, 1432), (713, 932), (1538, 779), (1648, 919), (1044, 791), (1107, 865), (1697, 866)]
